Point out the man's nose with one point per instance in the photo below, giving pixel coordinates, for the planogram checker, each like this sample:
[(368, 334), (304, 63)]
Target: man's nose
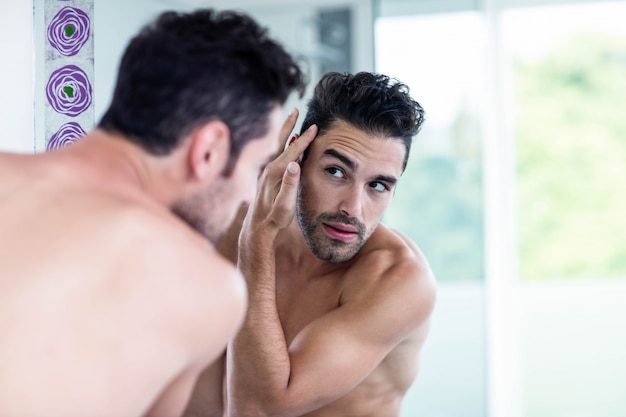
[(352, 202)]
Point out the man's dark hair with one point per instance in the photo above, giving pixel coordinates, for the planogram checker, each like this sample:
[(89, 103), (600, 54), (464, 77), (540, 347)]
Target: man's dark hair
[(373, 103), (186, 69)]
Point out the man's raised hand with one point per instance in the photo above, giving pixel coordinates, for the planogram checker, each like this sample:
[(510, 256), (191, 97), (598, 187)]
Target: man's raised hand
[(275, 203)]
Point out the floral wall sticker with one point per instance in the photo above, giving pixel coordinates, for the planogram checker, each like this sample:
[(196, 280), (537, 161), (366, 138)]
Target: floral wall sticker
[(68, 71)]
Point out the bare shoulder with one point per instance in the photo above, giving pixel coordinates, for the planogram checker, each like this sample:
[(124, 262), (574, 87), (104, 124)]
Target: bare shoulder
[(183, 278), (391, 253), (172, 249), (393, 270), (157, 233)]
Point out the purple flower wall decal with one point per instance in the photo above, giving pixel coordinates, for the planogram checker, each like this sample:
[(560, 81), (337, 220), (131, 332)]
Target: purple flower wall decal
[(66, 135), (69, 30), (69, 91)]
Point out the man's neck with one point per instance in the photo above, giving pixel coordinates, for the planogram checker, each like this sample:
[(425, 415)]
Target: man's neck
[(125, 166)]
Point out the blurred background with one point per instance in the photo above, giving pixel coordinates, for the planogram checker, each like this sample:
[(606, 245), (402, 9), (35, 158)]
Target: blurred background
[(515, 191)]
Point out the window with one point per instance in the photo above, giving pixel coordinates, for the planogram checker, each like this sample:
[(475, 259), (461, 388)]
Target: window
[(569, 75)]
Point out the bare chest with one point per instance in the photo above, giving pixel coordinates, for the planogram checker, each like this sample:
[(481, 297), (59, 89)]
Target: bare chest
[(382, 392), (377, 396), (300, 300)]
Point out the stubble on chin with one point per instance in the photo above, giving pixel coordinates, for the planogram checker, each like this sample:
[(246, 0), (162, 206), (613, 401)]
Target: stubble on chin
[(198, 218), (322, 245)]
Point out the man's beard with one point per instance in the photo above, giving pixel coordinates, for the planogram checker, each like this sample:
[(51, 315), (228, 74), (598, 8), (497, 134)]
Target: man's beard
[(199, 212), (323, 246)]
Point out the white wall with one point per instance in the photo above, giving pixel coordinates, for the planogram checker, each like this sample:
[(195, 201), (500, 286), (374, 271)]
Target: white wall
[(16, 74), (112, 31), (19, 45)]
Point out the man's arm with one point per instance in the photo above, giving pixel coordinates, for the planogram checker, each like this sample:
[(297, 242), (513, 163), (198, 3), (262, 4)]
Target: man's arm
[(207, 398), (331, 355), (188, 313)]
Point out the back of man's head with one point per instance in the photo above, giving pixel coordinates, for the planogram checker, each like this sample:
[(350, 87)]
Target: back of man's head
[(374, 103), (184, 70)]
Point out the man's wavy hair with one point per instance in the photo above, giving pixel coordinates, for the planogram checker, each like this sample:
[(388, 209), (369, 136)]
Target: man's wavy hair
[(186, 69), (374, 103)]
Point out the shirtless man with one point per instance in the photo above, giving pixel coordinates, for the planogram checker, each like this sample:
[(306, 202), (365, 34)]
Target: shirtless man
[(112, 295), (339, 304)]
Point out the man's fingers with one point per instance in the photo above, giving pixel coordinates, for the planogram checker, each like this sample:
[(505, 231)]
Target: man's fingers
[(297, 147), (285, 203), (292, 138), (286, 129), (278, 184)]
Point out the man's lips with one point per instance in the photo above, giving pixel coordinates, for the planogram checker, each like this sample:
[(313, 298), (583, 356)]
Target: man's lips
[(340, 231), (342, 227)]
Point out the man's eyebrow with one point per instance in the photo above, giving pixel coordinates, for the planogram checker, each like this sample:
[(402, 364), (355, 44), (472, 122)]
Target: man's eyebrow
[(350, 164), (343, 158), (385, 178)]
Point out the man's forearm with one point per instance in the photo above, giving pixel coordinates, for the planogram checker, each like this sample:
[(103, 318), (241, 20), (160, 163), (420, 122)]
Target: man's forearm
[(258, 361), (258, 364)]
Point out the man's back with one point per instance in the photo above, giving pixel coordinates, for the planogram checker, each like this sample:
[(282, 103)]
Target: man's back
[(365, 281), (102, 291)]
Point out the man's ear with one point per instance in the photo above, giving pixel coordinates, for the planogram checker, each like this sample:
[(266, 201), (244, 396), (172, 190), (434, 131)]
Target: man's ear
[(209, 150)]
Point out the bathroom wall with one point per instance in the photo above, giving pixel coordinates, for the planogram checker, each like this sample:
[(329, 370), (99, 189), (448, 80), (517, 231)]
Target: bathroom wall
[(297, 26)]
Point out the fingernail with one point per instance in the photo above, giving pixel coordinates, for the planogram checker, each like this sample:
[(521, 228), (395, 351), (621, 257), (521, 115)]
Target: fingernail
[(291, 113), (311, 127), (292, 167)]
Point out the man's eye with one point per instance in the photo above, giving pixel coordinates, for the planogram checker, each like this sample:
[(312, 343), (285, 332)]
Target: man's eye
[(335, 172), (379, 186)]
